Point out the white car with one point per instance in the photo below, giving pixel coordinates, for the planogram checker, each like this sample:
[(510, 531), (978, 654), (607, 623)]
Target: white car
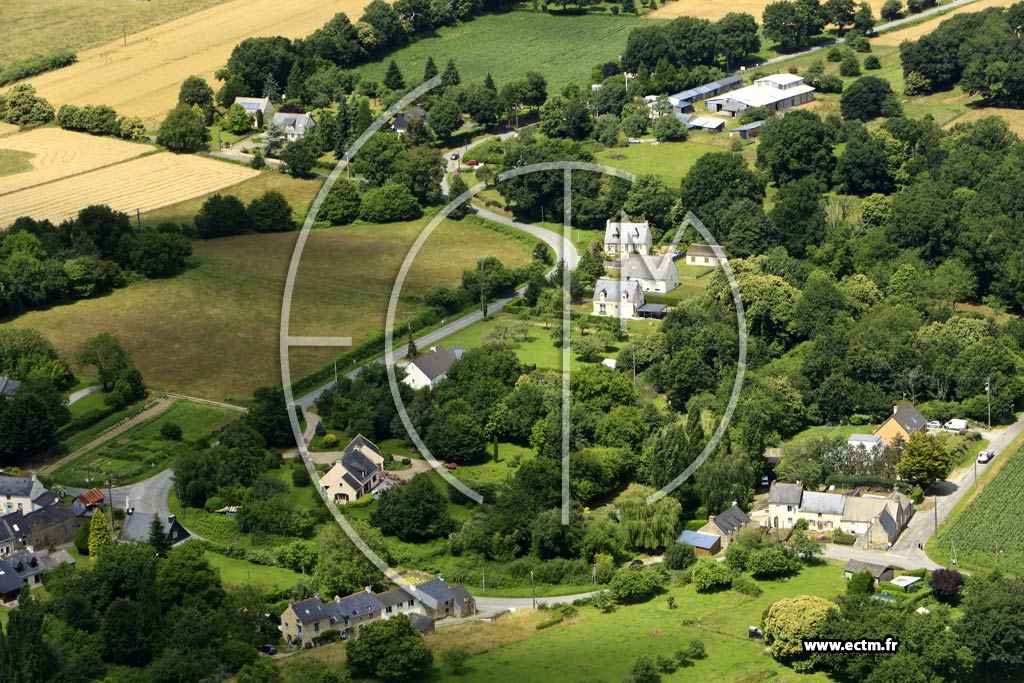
[(633, 141), (934, 424), (985, 456)]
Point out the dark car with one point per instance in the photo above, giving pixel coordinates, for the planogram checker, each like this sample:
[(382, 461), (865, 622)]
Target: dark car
[(267, 649), (636, 563)]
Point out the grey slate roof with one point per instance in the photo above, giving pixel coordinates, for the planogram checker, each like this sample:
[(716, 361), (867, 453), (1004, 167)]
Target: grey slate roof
[(45, 499), (311, 610), (136, 527), (299, 124), (355, 605), (435, 362), (876, 570), (708, 88), (432, 593), (421, 623), (49, 516), (748, 126), (627, 233), (909, 418), (10, 581), (785, 494), (359, 468), (395, 596), (732, 519), (9, 387), (823, 503), (612, 289), (16, 486), (460, 593), (640, 267)]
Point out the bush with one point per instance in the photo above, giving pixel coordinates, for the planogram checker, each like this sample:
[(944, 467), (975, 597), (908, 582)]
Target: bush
[(861, 583), (830, 84), (171, 431), (454, 660), (388, 204), (635, 585), (666, 665), (36, 65), (746, 586), (341, 206), (330, 441), (82, 538), (843, 538), (679, 556), (710, 576), (834, 54), (300, 477), (645, 671), (550, 621), (850, 66), (871, 63)]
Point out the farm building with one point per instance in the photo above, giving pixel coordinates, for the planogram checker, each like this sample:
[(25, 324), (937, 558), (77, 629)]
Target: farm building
[(682, 102), (295, 125), (259, 109), (703, 544), (748, 131), (706, 123), (704, 255), (727, 524), (627, 238), (654, 273), (617, 299), (776, 93), (904, 421), (879, 572)]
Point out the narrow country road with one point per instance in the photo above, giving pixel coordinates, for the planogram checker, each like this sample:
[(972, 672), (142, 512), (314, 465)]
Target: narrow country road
[(82, 393), (486, 604), (148, 496)]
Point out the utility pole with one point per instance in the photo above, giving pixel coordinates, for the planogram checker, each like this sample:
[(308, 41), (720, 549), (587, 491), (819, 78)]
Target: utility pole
[(110, 503), (975, 474), (483, 296), (936, 515), (335, 372), (138, 217), (483, 581), (988, 394), (533, 591)]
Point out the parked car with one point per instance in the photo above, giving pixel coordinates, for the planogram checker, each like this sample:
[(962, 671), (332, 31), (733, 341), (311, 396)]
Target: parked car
[(454, 156), (471, 162), (450, 466), (934, 424), (765, 483), (985, 456), (267, 649), (636, 563), (633, 141)]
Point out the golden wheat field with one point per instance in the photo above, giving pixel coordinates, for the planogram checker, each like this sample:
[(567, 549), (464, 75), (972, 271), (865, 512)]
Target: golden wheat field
[(143, 78), (7, 129), (716, 9), (60, 153), (917, 30), (146, 183)]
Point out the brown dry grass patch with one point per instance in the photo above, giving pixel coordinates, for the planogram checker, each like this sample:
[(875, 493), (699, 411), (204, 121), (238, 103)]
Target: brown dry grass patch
[(8, 129), (480, 636), (60, 153), (917, 30), (1013, 117), (147, 183), (143, 78)]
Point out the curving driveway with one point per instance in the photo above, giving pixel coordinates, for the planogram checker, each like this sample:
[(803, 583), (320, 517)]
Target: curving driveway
[(148, 496)]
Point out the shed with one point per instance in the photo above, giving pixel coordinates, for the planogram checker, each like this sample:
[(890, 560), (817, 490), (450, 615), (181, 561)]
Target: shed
[(656, 311), (706, 123), (747, 131), (905, 581), (879, 572), (703, 544)]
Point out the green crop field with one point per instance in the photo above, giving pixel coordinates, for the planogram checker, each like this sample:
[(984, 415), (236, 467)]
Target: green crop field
[(213, 331), (563, 48), (141, 451), (989, 522)]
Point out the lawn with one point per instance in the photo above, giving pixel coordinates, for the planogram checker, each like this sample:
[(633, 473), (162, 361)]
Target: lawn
[(83, 405), (242, 572), (569, 651), (220, 338), (563, 48), (825, 432), (141, 451), (14, 161), (510, 456), (670, 160)]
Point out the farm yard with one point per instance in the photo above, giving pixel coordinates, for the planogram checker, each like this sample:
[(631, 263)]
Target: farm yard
[(563, 48), (147, 183), (142, 78), (56, 153), (220, 338), (989, 523)]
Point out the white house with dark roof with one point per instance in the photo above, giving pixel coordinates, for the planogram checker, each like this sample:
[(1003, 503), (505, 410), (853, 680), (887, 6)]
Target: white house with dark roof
[(617, 299), (876, 520), (727, 524), (295, 126), (259, 109), (402, 119), (430, 367), (627, 238), (823, 511), (350, 613), (704, 255), (356, 473), (20, 494), (654, 273)]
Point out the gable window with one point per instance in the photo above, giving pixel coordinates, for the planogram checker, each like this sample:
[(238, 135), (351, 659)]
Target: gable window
[(316, 627)]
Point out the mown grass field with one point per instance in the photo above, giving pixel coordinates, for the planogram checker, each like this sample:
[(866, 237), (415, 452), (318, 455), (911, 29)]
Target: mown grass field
[(669, 160), (825, 432), (241, 573), (213, 331), (987, 523), (142, 451), (563, 48), (14, 161)]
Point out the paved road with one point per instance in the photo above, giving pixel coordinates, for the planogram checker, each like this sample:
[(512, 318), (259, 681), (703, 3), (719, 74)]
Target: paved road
[(148, 496), (485, 604), (82, 393)]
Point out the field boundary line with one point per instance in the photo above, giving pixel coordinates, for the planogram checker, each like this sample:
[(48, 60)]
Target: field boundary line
[(80, 173), (206, 401)]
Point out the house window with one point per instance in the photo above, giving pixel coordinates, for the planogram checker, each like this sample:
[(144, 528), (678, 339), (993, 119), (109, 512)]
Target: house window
[(789, 508), (316, 628), (706, 259), (388, 610), (602, 309)]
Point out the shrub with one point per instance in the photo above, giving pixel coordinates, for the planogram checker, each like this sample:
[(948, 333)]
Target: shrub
[(171, 431), (861, 583), (388, 204), (300, 477), (645, 671), (666, 665), (871, 63), (341, 206), (550, 621), (843, 538), (850, 66), (710, 576), (679, 556), (36, 65), (746, 586), (454, 660), (695, 648), (834, 54), (82, 538), (635, 585), (330, 441)]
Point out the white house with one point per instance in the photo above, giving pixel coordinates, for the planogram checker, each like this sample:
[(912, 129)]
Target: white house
[(776, 93), (356, 473), (19, 494), (654, 273), (627, 238), (431, 367), (877, 520), (704, 255), (259, 109), (869, 442), (617, 299), (295, 125)]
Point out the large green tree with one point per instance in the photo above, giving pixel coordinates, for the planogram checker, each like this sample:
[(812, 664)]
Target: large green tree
[(925, 460), (413, 512), (390, 650), (183, 130), (794, 146)]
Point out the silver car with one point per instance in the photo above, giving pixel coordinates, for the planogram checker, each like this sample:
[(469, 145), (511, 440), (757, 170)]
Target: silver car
[(985, 456)]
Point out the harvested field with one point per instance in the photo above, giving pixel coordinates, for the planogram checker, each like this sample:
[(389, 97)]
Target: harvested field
[(716, 9), (7, 129), (143, 78), (147, 183), (1013, 117), (60, 153), (13, 161), (917, 30)]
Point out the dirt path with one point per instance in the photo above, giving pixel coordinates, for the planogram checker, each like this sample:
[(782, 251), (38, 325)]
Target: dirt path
[(161, 405)]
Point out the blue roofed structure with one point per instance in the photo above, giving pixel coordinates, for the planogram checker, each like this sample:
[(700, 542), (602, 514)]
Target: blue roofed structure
[(704, 544)]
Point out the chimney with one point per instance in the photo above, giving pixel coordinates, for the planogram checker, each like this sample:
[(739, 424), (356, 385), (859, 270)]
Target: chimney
[(894, 409), (711, 518), (170, 519), (734, 503)]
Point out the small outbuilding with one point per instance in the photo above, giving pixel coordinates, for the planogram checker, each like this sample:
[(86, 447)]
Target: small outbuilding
[(879, 572), (703, 544), (747, 131)]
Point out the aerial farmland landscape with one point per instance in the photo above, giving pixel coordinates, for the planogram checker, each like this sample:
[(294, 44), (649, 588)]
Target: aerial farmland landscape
[(511, 340)]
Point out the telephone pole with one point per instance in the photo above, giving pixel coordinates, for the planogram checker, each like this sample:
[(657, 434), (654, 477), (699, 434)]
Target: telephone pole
[(533, 592), (988, 394)]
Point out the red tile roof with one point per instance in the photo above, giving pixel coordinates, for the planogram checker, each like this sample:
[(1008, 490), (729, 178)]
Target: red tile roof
[(91, 497)]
